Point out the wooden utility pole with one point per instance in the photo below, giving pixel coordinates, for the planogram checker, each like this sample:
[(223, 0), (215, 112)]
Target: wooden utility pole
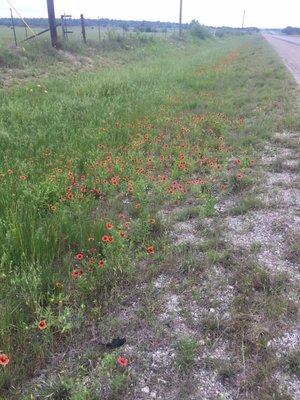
[(180, 18), (52, 22), (13, 26), (99, 31), (83, 28)]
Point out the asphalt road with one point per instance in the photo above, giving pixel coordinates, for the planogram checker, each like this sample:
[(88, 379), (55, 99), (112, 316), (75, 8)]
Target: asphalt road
[(288, 49)]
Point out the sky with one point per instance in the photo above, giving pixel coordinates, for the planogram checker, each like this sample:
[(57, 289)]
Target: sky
[(259, 13)]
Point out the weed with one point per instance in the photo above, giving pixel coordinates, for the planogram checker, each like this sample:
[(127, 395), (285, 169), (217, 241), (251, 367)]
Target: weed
[(186, 353), (246, 204)]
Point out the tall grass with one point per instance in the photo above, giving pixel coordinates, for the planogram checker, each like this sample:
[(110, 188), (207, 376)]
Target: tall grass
[(92, 156)]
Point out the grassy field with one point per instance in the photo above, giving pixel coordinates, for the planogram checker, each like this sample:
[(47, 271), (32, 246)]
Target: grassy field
[(89, 160)]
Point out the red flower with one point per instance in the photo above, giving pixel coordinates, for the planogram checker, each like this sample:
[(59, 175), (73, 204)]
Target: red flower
[(70, 195), (150, 249), (109, 225), (4, 359), (122, 361), (111, 239), (80, 256), (105, 238), (239, 175), (23, 177), (101, 263), (115, 180), (77, 273), (42, 325)]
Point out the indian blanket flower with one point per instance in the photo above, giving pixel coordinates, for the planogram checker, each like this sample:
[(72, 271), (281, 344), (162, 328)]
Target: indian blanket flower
[(122, 361), (77, 273), (150, 249), (42, 325), (4, 359), (101, 263), (79, 256)]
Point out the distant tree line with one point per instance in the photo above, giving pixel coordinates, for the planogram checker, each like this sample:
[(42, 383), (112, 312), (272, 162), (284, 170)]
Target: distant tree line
[(141, 26), (290, 30)]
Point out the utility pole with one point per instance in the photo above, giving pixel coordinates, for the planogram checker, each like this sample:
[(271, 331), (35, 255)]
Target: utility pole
[(243, 19), (99, 31), (52, 22), (83, 28), (180, 18), (13, 26)]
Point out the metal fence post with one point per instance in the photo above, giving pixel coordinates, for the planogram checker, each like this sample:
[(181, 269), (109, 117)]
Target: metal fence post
[(13, 27)]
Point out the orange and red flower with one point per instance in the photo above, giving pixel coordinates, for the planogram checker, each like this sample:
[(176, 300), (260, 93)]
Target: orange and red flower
[(150, 249), (77, 273), (4, 359), (80, 256), (42, 325), (122, 361)]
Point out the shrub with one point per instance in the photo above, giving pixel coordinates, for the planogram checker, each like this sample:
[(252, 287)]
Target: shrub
[(199, 31)]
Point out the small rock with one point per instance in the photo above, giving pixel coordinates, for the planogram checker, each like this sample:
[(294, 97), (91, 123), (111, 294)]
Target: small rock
[(153, 395), (146, 390)]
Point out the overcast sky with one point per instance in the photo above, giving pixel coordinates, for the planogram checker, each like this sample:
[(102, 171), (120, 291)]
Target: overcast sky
[(260, 13)]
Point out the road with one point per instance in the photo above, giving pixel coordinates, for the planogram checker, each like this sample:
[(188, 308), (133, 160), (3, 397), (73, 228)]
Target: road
[(289, 50)]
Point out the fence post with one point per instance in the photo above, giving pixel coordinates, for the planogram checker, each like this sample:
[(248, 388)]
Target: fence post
[(13, 27), (52, 22), (83, 28)]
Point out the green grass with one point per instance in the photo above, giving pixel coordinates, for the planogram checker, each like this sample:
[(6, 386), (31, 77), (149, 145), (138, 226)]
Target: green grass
[(112, 146), (186, 353)]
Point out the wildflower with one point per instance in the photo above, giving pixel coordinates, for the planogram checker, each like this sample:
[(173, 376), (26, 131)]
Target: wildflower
[(4, 359), (53, 208), (122, 361), (109, 225), (105, 238), (23, 177), (238, 161), (101, 263), (152, 221), (59, 285), (115, 180), (70, 195), (252, 163), (239, 175), (110, 239), (79, 256), (42, 325), (150, 249), (122, 234), (91, 261), (77, 273)]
